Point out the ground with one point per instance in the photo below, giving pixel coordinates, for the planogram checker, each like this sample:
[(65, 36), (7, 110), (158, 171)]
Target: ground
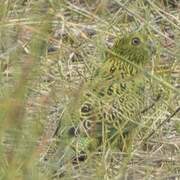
[(48, 49)]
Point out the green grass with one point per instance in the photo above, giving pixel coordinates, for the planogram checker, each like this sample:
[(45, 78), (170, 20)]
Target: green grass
[(37, 85)]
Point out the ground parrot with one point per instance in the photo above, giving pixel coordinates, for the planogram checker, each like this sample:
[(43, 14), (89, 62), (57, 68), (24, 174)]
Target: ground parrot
[(107, 109)]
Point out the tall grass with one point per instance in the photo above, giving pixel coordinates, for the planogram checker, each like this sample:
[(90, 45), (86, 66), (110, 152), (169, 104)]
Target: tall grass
[(48, 50)]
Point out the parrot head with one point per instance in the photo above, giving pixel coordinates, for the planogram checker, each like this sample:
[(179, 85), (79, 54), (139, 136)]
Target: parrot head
[(135, 47)]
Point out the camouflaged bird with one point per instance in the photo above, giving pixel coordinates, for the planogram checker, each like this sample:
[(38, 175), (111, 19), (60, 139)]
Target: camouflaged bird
[(107, 111)]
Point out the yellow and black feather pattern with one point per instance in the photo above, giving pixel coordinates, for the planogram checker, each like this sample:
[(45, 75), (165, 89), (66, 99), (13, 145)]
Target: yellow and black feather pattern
[(110, 107)]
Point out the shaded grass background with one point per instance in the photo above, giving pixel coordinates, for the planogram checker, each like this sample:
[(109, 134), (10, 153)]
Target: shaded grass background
[(48, 48)]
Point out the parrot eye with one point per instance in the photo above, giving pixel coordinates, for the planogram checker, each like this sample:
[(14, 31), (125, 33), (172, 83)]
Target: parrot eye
[(136, 41)]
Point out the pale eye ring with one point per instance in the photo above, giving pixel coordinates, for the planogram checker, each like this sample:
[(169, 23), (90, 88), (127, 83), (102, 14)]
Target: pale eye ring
[(136, 41)]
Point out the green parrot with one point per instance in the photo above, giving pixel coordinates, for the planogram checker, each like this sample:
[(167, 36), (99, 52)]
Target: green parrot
[(106, 111)]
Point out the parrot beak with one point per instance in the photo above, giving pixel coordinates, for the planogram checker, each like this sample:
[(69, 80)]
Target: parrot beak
[(152, 46)]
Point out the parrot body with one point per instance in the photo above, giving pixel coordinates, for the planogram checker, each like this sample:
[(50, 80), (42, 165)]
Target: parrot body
[(107, 110)]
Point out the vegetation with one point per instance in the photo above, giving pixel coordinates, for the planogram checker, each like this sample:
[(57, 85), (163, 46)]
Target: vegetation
[(49, 50)]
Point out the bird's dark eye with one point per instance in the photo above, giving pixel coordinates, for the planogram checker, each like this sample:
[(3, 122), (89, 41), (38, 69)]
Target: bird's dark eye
[(136, 41)]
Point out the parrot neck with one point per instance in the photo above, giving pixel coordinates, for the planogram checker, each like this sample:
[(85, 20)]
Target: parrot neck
[(115, 68)]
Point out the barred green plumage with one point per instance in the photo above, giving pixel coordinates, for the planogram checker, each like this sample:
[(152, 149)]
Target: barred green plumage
[(108, 110)]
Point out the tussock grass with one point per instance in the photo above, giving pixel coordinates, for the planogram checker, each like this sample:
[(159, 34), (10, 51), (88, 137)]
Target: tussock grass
[(48, 50)]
